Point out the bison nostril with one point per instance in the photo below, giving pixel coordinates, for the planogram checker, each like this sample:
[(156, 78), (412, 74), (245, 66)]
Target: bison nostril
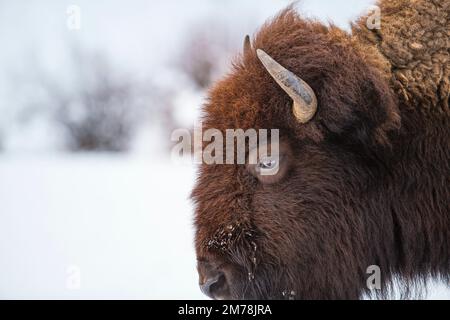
[(215, 287)]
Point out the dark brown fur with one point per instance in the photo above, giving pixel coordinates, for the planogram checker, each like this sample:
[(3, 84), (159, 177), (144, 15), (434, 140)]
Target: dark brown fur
[(368, 184)]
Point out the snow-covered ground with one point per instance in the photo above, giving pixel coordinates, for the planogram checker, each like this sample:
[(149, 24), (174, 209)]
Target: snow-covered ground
[(99, 226), (124, 225)]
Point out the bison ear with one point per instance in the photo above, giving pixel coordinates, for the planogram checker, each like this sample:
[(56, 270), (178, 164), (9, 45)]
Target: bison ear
[(361, 111), (380, 117)]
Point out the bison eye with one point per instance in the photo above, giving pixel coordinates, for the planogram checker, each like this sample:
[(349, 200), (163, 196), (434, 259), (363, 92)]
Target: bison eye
[(267, 163), (269, 168)]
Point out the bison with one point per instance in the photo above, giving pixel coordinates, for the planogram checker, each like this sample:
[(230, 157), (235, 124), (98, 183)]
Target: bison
[(364, 162)]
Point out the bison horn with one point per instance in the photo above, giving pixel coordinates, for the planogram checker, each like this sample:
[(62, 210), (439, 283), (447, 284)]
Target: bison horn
[(305, 101), (247, 44)]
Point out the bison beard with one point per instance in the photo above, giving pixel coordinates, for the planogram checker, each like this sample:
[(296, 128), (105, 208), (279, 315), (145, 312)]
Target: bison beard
[(365, 180)]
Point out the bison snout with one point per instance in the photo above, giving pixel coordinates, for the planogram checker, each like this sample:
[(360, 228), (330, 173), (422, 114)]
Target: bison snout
[(212, 281)]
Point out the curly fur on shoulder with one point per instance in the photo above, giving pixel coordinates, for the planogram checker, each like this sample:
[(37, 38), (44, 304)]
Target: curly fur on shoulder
[(414, 41)]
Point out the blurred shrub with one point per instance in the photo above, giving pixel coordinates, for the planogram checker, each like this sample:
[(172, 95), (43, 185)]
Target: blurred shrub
[(205, 53), (100, 109)]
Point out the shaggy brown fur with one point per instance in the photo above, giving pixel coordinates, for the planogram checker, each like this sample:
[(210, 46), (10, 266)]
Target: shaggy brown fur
[(368, 176), (413, 43)]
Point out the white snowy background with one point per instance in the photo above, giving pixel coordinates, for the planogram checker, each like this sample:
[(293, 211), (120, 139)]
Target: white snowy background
[(107, 225)]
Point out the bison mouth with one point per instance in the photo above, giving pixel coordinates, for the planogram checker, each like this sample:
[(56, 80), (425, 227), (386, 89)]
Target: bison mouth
[(213, 281), (227, 281)]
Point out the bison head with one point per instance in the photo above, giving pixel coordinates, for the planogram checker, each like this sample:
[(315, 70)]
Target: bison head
[(312, 229)]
